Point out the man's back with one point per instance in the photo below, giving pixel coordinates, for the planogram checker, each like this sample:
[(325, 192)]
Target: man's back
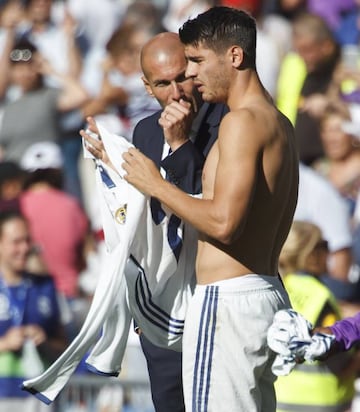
[(258, 130)]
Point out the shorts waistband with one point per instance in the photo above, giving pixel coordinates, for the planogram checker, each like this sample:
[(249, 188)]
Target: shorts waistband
[(246, 282)]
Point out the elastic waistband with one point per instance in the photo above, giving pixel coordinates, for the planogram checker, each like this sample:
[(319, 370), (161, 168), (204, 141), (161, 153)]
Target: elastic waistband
[(245, 283)]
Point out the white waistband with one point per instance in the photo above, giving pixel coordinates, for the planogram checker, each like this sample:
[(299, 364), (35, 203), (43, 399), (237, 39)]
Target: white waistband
[(246, 282)]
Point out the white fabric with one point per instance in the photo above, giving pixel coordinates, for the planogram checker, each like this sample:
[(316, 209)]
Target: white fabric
[(290, 337), (154, 293), (319, 203)]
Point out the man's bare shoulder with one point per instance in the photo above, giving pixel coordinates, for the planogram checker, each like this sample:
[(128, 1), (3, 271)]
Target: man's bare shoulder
[(255, 122)]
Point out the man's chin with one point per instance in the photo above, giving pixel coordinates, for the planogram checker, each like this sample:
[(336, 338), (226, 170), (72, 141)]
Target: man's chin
[(209, 98)]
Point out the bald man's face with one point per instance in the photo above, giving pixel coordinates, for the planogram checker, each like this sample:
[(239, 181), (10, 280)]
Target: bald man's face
[(165, 79)]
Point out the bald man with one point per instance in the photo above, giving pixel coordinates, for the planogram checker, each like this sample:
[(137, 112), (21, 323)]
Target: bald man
[(177, 139)]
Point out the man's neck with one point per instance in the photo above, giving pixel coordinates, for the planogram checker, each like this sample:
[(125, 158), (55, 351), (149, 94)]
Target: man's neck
[(244, 87)]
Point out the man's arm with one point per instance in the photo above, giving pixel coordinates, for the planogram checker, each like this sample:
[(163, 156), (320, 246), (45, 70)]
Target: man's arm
[(183, 166), (222, 215)]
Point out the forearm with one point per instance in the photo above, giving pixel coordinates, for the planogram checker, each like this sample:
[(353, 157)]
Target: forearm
[(202, 214), (12, 339), (113, 94), (4, 347), (340, 263), (74, 57), (73, 94), (93, 107)]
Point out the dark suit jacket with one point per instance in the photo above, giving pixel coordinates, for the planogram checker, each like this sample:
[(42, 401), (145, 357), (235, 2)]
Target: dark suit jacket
[(184, 169), (184, 166)]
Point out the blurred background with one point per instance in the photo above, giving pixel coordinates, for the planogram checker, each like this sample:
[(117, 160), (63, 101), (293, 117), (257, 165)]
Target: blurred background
[(64, 60)]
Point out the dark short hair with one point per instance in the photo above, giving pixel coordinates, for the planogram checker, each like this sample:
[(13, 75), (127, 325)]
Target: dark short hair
[(9, 215), (221, 27), (51, 176), (10, 170)]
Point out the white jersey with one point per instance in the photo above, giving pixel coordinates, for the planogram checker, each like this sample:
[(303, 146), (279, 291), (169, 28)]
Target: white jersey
[(153, 288)]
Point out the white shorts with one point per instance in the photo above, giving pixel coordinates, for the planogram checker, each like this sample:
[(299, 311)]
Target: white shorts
[(226, 360)]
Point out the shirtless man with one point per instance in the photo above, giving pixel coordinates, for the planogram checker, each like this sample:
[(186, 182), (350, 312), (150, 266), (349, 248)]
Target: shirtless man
[(250, 182)]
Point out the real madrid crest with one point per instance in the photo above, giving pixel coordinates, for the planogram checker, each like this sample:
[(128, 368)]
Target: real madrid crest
[(120, 214)]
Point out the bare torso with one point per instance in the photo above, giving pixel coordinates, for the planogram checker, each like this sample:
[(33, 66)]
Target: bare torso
[(270, 213)]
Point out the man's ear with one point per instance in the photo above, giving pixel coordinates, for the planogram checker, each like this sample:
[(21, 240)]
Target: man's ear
[(236, 55), (147, 86)]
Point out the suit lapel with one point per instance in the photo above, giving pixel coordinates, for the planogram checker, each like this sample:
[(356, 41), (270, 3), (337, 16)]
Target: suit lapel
[(155, 142)]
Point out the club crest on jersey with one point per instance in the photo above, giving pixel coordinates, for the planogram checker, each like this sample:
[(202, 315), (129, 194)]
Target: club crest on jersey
[(120, 214)]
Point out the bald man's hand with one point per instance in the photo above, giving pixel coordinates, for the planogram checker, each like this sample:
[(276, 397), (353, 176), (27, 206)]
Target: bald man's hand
[(176, 121)]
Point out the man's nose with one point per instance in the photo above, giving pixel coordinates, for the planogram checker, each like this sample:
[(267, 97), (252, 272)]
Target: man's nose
[(190, 70)]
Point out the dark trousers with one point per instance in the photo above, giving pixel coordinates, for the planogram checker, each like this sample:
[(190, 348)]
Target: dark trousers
[(164, 366)]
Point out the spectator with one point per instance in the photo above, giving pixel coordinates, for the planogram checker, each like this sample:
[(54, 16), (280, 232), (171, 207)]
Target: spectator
[(341, 162), (312, 386), (60, 43), (38, 106), (123, 100), (11, 14), (58, 224), (30, 329), (304, 79), (319, 203), (341, 165)]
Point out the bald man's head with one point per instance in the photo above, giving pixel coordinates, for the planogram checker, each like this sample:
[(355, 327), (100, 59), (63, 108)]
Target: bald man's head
[(164, 66), (159, 51)]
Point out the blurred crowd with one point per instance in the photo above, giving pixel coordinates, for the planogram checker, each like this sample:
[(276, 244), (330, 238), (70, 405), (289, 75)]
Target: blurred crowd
[(62, 61)]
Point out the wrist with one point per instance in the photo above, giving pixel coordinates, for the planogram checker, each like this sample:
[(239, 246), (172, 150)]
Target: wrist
[(159, 189), (177, 144)]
